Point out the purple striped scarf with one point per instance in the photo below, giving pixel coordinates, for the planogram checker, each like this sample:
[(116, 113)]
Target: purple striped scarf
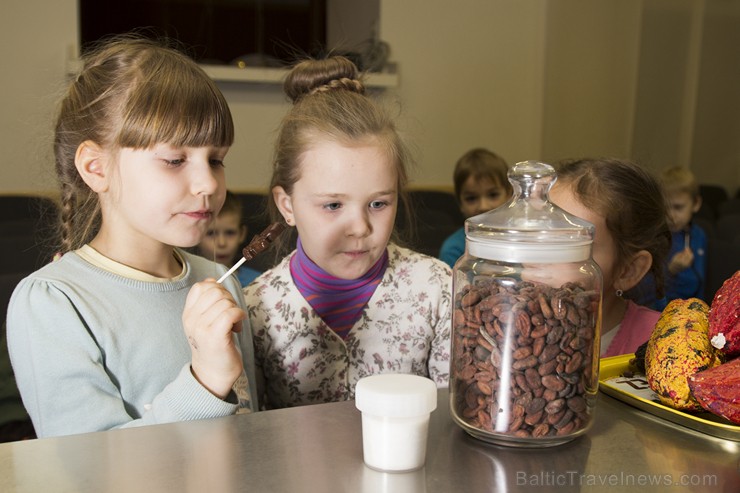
[(339, 302)]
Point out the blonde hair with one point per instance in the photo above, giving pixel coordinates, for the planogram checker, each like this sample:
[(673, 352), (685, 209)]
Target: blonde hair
[(678, 179), (131, 93), (329, 103)]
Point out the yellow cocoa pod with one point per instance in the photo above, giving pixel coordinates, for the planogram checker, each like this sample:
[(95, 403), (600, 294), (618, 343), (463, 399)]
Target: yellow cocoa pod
[(679, 347)]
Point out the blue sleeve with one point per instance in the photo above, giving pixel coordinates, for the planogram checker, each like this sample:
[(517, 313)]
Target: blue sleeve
[(246, 275), (699, 247), (453, 248)]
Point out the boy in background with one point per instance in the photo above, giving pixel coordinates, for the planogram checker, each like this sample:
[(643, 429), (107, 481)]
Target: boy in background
[(687, 261), (225, 238), (481, 184)]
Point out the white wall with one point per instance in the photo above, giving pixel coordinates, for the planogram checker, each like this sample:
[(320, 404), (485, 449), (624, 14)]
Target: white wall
[(716, 151), (470, 75), (35, 36), (591, 69), (545, 79)]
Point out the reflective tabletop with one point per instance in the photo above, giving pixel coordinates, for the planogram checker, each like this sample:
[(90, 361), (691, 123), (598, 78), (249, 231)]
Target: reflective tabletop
[(319, 449)]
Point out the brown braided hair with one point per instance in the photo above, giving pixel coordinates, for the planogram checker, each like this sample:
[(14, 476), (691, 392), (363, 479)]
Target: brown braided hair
[(329, 103), (131, 92)]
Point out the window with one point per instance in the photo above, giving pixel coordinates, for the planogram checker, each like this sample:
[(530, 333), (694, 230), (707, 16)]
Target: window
[(259, 32)]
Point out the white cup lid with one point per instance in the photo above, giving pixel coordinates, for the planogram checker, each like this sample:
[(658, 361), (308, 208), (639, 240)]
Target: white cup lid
[(396, 395)]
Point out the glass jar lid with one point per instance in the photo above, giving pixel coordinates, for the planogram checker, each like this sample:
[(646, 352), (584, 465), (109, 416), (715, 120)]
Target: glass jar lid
[(529, 228)]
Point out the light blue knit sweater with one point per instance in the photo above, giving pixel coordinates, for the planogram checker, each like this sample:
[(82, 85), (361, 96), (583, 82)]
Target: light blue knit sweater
[(93, 351)]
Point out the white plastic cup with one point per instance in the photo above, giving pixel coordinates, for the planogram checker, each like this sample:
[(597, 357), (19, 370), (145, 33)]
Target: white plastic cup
[(395, 420)]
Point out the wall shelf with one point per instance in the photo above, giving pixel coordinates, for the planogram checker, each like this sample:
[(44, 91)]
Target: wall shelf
[(227, 73), (266, 75)]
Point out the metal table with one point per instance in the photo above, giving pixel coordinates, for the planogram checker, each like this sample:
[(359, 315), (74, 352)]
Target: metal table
[(319, 449)]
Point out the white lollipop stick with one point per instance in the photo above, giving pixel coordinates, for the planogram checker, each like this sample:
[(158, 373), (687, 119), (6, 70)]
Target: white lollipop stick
[(232, 270), (258, 244)]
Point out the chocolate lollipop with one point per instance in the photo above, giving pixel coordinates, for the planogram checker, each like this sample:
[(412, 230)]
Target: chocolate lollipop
[(258, 245)]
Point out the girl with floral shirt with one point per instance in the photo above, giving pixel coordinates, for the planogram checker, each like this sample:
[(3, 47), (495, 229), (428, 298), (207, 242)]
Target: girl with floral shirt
[(347, 302)]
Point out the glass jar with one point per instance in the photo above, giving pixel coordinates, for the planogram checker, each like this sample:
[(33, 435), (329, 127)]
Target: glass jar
[(526, 321)]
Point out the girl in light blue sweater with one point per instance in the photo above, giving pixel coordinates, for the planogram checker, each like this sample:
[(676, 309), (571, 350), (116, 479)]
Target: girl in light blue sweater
[(127, 329)]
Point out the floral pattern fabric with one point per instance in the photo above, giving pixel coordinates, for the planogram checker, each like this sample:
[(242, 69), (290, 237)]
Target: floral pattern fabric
[(405, 328)]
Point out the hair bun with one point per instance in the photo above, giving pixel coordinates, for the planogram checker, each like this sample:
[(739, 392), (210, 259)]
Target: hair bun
[(312, 76)]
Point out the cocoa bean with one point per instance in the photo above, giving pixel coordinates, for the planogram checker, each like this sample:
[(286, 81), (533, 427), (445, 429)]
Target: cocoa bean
[(539, 331), (548, 353), (553, 382), (577, 404), (485, 388), (528, 362), (534, 381), (523, 323), (521, 381), (549, 333), (536, 405), (458, 318), (470, 298), (522, 352), (516, 423), (554, 407), (547, 368), (534, 418), (545, 306), (541, 430), (538, 345)]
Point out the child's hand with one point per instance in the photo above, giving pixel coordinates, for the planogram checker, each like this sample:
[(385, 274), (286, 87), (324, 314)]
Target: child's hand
[(680, 261), (209, 317)]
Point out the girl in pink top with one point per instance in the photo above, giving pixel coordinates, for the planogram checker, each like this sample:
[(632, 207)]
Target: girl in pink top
[(625, 204)]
